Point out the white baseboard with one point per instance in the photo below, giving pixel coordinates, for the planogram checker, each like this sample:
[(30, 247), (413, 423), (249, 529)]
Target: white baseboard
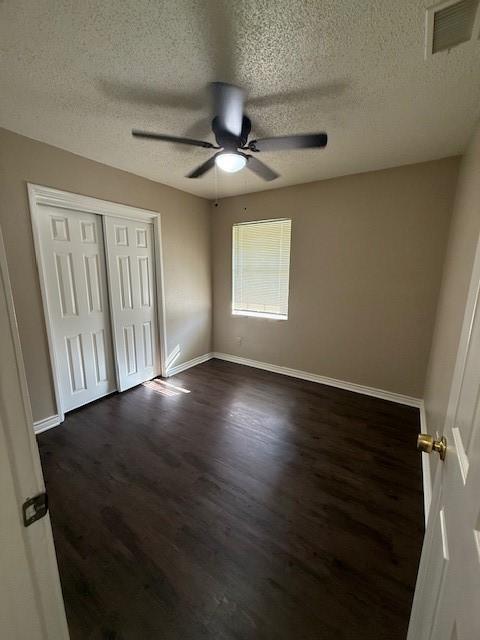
[(46, 423), (172, 371), (331, 382), (427, 478)]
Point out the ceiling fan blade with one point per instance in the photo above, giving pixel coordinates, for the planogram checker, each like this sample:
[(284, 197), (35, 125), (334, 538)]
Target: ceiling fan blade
[(141, 93), (323, 91), (221, 37), (201, 128), (261, 169), (160, 136), (228, 101), (287, 143), (203, 168)]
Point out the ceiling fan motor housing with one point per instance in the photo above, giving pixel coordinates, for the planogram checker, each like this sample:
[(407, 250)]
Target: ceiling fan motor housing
[(226, 139)]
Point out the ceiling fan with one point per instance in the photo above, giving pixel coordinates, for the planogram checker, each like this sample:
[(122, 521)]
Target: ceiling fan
[(231, 128)]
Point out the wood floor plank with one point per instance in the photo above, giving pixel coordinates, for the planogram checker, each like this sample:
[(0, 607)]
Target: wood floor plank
[(235, 503)]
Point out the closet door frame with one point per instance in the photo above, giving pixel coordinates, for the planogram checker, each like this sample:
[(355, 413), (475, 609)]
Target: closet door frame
[(39, 196)]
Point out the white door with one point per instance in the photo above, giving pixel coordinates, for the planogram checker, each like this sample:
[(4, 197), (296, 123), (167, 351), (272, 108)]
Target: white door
[(131, 272), (447, 597), (31, 604), (75, 279)]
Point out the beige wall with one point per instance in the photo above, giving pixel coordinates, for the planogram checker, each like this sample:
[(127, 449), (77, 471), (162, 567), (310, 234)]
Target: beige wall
[(463, 238), (186, 247), (367, 253), (366, 262)]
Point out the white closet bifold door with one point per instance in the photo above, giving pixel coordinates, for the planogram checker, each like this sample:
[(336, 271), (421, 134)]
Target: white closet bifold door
[(75, 281), (131, 275)]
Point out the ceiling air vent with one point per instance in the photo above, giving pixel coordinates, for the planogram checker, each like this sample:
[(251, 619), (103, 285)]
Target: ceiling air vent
[(450, 24)]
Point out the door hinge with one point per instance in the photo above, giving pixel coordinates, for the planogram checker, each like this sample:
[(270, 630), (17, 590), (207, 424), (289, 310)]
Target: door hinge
[(34, 509)]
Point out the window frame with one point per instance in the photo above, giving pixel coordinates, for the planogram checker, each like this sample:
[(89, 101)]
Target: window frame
[(258, 314)]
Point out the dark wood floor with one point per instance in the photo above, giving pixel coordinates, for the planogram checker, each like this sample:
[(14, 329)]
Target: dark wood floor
[(255, 507)]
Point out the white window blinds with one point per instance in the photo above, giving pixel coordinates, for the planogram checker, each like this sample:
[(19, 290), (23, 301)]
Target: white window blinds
[(261, 268)]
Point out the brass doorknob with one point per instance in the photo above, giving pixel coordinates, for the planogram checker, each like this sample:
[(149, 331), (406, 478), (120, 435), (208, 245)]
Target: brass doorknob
[(426, 443)]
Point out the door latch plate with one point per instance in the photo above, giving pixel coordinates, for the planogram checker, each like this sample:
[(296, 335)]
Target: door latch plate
[(34, 508)]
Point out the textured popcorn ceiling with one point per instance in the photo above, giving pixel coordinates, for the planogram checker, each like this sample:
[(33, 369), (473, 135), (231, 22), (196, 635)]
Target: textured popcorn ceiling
[(80, 74)]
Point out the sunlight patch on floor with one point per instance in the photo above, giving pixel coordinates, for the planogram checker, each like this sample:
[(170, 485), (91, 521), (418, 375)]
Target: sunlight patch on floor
[(164, 388)]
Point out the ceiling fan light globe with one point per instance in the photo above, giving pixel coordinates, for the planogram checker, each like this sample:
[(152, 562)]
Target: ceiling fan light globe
[(230, 162)]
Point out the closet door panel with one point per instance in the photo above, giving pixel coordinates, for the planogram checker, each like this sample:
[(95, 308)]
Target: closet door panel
[(130, 259), (76, 286)]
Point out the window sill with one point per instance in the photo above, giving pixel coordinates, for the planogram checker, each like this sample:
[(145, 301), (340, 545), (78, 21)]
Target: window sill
[(257, 314)]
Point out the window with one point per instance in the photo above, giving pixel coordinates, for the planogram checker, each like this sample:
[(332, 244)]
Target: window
[(261, 268)]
